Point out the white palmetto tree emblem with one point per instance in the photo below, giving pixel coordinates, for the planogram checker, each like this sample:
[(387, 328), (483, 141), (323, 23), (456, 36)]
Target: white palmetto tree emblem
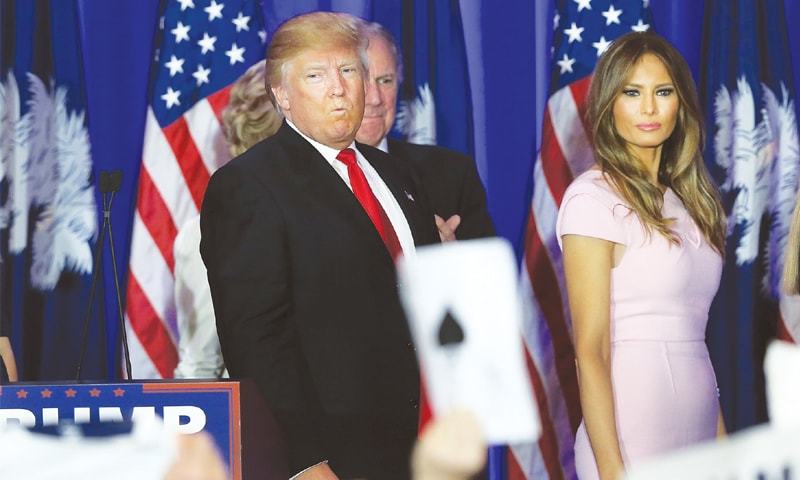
[(14, 131), (416, 119), (762, 162), (46, 164)]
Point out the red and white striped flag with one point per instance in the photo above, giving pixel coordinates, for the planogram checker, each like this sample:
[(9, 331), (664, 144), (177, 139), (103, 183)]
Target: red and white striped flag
[(203, 47), (584, 29)]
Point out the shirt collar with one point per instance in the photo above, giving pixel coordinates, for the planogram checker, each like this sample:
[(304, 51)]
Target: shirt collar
[(384, 145), (329, 153)]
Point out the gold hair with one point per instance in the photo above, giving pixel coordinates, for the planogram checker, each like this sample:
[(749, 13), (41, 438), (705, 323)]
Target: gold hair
[(316, 30), (791, 265), (681, 167), (249, 116)]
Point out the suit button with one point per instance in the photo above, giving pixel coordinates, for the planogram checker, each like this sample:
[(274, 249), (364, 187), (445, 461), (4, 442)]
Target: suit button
[(413, 403), (411, 347)]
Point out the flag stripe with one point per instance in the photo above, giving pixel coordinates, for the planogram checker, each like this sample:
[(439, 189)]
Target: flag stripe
[(546, 211), (189, 159), (156, 219), (159, 159), (514, 469), (556, 170), (153, 275), (539, 342), (152, 333), (569, 130), (548, 442), (206, 131), (580, 94), (545, 285), (141, 365), (783, 332), (219, 101)]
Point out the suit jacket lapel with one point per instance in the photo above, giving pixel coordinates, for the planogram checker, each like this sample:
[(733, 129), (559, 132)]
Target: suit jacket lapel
[(320, 180)]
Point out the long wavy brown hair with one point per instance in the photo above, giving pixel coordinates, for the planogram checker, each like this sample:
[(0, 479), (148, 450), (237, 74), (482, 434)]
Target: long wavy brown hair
[(681, 167)]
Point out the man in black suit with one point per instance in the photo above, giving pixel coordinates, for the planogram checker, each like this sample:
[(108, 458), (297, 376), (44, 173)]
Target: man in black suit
[(298, 236), (449, 179)]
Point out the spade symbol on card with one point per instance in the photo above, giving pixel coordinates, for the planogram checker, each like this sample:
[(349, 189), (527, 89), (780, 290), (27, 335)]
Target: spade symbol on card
[(450, 332)]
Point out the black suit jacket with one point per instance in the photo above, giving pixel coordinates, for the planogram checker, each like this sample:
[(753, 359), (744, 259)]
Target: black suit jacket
[(306, 301), (451, 183)]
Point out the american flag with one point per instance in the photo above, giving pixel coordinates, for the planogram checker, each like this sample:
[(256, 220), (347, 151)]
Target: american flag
[(203, 46), (583, 31)]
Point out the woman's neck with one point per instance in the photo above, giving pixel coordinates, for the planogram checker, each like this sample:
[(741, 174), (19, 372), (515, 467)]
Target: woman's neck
[(651, 160)]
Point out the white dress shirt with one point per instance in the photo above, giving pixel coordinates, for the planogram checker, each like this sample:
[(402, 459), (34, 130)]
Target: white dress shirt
[(199, 353), (376, 183)]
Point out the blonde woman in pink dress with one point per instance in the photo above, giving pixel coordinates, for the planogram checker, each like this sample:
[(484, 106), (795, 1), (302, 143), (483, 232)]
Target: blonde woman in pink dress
[(642, 234)]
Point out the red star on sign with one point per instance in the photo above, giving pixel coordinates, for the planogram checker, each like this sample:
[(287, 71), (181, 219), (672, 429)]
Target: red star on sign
[(94, 392), (70, 393), (118, 392), (46, 393), (22, 394)]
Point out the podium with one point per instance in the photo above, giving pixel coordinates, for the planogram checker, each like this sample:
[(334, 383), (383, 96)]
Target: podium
[(232, 412)]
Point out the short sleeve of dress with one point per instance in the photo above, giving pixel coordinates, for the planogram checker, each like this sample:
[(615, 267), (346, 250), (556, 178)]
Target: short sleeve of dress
[(591, 213)]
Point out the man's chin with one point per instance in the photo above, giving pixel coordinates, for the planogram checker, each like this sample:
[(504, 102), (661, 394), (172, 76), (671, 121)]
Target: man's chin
[(370, 134), (338, 136), (371, 139)]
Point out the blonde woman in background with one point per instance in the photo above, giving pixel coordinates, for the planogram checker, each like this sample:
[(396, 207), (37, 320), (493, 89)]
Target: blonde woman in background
[(249, 116), (248, 119)]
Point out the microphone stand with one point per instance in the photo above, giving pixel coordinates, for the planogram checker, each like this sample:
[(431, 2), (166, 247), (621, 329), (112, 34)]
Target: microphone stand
[(110, 183)]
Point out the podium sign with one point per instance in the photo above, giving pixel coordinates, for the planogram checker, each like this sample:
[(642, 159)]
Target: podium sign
[(232, 412)]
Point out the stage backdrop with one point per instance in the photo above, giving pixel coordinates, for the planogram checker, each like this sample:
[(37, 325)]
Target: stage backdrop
[(76, 75)]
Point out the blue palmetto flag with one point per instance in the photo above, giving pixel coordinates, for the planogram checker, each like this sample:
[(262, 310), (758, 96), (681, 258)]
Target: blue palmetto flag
[(752, 152), (48, 218), (435, 106)]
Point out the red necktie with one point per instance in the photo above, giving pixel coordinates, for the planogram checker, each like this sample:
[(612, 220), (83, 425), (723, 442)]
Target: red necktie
[(370, 204), (378, 216)]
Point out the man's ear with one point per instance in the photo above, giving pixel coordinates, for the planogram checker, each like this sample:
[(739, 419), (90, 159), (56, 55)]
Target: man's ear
[(281, 96)]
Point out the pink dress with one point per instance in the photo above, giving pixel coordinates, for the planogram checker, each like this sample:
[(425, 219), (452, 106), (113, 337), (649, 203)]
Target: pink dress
[(665, 394)]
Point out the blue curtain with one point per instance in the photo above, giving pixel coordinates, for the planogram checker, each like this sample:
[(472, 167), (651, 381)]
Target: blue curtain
[(506, 74)]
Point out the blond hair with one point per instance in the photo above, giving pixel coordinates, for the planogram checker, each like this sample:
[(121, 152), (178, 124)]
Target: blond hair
[(791, 265), (249, 116), (681, 167), (316, 30)]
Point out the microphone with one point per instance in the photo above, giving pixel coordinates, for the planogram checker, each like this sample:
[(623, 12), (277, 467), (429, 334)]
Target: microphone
[(109, 184), (110, 181)]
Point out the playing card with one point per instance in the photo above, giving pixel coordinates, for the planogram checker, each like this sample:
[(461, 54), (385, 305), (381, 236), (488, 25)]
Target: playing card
[(464, 310)]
